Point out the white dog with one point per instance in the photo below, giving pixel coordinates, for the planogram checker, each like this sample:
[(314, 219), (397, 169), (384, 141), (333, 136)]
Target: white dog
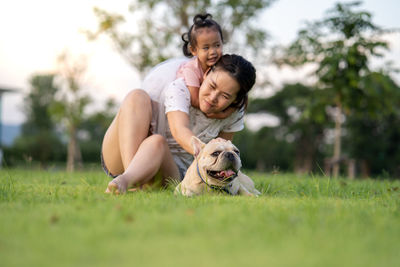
[(216, 167)]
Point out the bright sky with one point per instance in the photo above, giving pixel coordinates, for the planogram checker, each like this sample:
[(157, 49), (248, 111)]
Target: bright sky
[(33, 33)]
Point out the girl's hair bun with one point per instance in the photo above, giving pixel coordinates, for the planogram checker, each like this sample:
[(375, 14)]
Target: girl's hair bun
[(201, 19)]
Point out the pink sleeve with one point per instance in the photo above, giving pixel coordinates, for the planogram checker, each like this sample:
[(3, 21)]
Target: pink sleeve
[(191, 77), (190, 72)]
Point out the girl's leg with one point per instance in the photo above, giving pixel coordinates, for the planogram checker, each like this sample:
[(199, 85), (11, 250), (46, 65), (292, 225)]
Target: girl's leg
[(153, 155)]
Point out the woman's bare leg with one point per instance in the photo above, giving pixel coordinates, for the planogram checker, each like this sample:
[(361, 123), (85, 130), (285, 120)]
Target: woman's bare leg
[(127, 149), (153, 155), (127, 131)]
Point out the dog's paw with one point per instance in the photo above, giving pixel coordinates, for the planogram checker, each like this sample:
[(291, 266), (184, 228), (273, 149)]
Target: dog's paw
[(177, 190), (256, 192)]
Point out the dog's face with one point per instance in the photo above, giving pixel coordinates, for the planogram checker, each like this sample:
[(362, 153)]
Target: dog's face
[(218, 160)]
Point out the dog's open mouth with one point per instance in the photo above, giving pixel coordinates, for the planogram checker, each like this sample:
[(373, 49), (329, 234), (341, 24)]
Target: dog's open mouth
[(224, 175)]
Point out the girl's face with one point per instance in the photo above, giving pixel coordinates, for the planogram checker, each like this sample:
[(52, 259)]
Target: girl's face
[(217, 92), (209, 47)]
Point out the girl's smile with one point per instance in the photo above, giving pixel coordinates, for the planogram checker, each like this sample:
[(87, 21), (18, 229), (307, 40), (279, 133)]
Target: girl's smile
[(208, 48)]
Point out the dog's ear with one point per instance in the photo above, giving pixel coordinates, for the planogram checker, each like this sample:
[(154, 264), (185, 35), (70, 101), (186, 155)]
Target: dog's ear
[(197, 145)]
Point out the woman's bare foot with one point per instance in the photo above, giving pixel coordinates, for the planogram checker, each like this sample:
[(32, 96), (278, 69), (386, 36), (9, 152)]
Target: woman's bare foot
[(143, 187), (117, 186)]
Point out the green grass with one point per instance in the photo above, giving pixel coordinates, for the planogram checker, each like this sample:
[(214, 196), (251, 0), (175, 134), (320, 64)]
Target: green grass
[(60, 219)]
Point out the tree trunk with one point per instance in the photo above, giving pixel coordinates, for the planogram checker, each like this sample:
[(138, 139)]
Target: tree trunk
[(365, 170), (71, 149), (305, 151), (78, 156), (351, 169), (74, 156), (338, 139), (260, 165)]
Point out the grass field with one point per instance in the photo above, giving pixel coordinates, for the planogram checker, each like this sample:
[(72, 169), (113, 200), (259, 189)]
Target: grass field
[(61, 219)]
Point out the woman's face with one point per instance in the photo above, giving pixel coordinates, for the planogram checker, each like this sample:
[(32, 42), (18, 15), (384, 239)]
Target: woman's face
[(217, 92)]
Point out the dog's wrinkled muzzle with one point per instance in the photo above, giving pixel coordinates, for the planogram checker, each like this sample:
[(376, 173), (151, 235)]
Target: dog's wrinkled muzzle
[(230, 156)]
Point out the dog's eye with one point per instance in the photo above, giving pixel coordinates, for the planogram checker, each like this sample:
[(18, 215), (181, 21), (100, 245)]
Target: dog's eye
[(216, 153), (237, 152)]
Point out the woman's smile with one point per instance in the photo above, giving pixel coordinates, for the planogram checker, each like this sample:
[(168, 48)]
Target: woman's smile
[(217, 92), (208, 103)]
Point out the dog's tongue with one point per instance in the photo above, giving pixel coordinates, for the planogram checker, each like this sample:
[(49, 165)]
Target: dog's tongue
[(227, 173)]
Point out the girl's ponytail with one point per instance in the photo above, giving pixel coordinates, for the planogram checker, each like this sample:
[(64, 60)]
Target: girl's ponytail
[(185, 47)]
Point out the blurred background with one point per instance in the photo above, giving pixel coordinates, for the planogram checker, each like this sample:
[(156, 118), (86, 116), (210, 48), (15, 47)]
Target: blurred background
[(326, 102)]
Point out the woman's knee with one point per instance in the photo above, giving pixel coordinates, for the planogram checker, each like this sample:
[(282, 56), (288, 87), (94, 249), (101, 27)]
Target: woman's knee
[(158, 141), (137, 96), (137, 99)]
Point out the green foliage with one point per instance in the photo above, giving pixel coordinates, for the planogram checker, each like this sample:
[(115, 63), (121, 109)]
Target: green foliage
[(294, 104), (381, 96), (301, 112), (44, 147), (49, 106), (93, 129), (68, 107), (375, 137), (38, 140), (37, 104), (56, 217), (340, 47), (161, 24), (69, 104), (264, 150)]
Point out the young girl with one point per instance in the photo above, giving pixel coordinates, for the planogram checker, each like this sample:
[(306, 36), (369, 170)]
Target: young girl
[(203, 42)]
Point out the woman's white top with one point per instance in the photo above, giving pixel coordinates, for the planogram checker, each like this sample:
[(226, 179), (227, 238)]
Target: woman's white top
[(170, 94)]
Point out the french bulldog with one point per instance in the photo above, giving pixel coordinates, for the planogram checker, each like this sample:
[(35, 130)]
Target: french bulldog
[(216, 167)]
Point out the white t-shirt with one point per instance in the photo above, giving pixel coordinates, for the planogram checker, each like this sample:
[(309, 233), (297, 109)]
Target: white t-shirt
[(169, 95), (177, 98)]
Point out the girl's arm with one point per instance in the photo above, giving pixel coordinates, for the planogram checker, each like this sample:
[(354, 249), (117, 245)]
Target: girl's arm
[(179, 125), (194, 96)]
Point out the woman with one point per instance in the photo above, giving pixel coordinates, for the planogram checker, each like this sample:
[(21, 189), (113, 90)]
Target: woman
[(139, 143)]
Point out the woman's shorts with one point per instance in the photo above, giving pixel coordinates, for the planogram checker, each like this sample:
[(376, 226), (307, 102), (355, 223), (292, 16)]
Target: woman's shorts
[(105, 167)]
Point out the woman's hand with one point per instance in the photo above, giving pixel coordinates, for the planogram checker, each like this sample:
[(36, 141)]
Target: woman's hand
[(179, 125)]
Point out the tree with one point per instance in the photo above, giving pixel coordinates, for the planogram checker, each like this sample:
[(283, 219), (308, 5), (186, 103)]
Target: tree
[(341, 47), (264, 150), (373, 138), (92, 130), (38, 139), (70, 104), (301, 112), (161, 23)]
